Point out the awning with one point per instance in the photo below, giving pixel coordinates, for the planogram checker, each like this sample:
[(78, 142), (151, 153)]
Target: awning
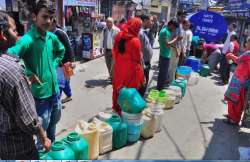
[(87, 3)]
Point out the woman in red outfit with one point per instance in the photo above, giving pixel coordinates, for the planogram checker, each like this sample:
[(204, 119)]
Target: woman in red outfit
[(239, 84), (127, 69)]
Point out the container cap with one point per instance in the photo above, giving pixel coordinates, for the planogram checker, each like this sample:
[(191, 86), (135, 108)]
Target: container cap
[(57, 146), (73, 136)]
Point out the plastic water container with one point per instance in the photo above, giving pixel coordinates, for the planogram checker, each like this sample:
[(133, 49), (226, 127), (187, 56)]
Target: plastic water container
[(91, 134), (149, 124), (131, 101), (134, 122), (104, 116), (183, 72), (78, 144), (153, 95), (43, 155), (182, 84), (178, 93), (60, 151), (194, 79), (120, 131), (194, 63), (106, 135), (170, 102), (159, 118), (204, 72)]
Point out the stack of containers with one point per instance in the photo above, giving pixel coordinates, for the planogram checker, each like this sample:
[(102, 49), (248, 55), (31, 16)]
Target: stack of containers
[(132, 105), (156, 108), (183, 72)]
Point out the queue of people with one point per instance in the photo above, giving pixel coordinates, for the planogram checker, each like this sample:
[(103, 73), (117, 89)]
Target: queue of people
[(30, 99)]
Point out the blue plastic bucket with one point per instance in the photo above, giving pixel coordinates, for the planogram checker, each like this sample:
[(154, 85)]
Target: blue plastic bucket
[(194, 63), (183, 72)]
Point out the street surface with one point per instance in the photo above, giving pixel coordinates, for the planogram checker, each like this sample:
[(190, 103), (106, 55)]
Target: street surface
[(193, 130)]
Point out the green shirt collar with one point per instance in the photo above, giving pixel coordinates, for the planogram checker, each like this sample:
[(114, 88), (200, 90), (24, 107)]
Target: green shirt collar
[(35, 32)]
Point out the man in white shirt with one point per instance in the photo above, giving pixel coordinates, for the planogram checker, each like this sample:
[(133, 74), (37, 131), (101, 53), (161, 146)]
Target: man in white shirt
[(226, 48), (107, 42)]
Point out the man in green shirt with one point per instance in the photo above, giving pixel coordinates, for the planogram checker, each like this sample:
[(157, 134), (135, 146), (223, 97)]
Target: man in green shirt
[(41, 52), (165, 52)]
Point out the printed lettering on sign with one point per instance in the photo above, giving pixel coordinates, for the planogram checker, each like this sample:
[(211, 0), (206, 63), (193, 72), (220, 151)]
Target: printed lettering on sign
[(209, 25)]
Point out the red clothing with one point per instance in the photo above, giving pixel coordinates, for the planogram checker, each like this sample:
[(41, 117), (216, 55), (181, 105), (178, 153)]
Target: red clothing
[(122, 26), (235, 94), (236, 48), (127, 70)]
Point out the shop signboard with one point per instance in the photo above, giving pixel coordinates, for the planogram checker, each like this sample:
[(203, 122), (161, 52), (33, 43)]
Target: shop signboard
[(209, 25), (8, 5), (248, 4), (236, 4), (87, 3), (2, 5), (87, 44)]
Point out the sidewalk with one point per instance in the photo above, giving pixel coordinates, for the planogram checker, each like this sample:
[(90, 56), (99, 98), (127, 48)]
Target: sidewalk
[(193, 130)]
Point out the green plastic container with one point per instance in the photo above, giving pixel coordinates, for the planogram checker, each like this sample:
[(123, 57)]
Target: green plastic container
[(204, 72), (78, 144), (131, 101), (153, 95), (44, 156), (120, 131), (60, 151), (182, 84)]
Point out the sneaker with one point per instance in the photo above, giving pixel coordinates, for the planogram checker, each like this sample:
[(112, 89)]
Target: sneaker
[(67, 99)]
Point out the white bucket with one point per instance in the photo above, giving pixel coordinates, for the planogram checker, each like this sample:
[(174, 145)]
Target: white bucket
[(178, 93), (149, 124), (194, 79)]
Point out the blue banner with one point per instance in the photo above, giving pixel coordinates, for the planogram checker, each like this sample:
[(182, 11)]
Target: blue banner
[(209, 25)]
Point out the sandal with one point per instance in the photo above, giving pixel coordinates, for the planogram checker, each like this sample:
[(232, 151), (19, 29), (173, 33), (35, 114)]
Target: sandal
[(230, 121)]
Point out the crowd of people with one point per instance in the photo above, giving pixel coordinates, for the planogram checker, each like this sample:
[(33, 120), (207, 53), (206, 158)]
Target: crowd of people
[(30, 94)]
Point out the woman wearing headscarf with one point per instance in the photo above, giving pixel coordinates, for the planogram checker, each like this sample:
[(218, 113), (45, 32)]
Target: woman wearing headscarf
[(128, 71), (239, 84)]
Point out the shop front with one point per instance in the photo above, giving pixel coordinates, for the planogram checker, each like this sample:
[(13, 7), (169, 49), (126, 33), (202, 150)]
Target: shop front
[(80, 23), (238, 11)]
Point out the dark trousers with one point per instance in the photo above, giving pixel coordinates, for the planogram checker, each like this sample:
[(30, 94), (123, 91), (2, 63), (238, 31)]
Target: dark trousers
[(163, 72), (224, 69), (109, 61), (146, 75)]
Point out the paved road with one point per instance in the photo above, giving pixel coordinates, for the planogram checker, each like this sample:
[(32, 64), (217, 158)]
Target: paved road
[(192, 130)]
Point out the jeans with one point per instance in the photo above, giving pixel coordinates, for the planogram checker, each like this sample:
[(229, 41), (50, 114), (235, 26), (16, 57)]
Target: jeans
[(48, 110), (163, 72), (54, 119), (66, 89)]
